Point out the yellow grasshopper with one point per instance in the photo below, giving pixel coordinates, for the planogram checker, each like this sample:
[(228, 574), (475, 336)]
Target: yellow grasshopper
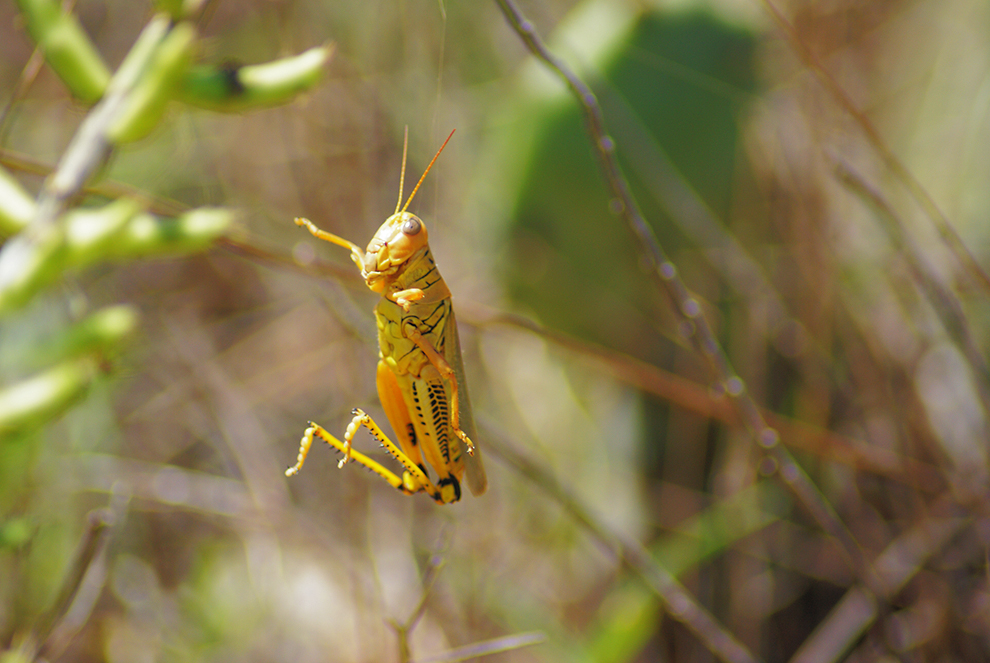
[(420, 372)]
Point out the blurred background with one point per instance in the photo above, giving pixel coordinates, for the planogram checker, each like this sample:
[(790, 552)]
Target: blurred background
[(838, 301)]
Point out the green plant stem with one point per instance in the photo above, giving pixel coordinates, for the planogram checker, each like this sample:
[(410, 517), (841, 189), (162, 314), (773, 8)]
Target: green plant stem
[(87, 151)]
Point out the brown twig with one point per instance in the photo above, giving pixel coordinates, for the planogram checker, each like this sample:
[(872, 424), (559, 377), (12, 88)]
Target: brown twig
[(699, 399), (109, 189)]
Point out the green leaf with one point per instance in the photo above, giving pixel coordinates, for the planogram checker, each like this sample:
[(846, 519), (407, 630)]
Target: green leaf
[(67, 49), (233, 88), (33, 402), (157, 84), (17, 207)]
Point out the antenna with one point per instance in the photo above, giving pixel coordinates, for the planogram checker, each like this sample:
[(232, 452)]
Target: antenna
[(424, 174), (402, 173)]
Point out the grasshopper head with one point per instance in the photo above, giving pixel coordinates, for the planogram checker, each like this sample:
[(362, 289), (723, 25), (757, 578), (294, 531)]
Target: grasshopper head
[(398, 239)]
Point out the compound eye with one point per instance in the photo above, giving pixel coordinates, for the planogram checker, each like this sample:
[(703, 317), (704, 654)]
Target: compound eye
[(411, 226)]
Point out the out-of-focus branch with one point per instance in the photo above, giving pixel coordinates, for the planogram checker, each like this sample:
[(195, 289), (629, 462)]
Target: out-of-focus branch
[(693, 397), (92, 542), (680, 603), (487, 647), (900, 171), (694, 325), (903, 558), (943, 301)]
